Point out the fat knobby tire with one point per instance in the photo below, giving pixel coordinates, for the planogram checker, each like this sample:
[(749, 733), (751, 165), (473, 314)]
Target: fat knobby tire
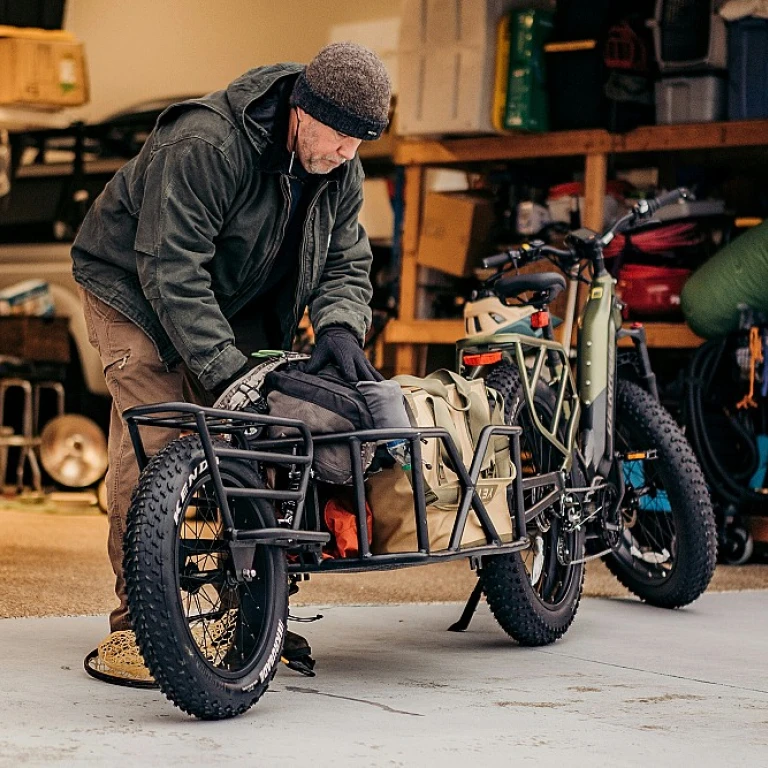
[(157, 615), (647, 424), (511, 597)]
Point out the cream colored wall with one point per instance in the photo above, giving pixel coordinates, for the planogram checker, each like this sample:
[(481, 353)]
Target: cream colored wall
[(142, 49)]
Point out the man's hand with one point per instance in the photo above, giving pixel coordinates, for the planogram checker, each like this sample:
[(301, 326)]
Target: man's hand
[(339, 346)]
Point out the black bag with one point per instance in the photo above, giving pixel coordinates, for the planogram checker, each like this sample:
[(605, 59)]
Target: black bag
[(326, 403)]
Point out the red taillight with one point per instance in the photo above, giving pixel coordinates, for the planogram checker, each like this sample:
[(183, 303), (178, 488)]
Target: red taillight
[(540, 319), (483, 358)]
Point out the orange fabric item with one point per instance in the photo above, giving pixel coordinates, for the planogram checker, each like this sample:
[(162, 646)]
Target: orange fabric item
[(341, 522), (755, 356)]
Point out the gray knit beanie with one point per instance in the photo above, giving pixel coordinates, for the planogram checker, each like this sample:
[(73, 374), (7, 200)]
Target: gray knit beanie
[(346, 87)]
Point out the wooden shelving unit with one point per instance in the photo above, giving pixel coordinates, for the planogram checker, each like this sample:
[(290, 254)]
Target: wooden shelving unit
[(409, 333), (401, 332)]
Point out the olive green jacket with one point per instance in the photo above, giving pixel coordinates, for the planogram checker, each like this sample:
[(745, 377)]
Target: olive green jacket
[(184, 234)]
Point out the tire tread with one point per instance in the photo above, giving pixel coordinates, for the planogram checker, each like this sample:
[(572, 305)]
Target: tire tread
[(147, 527)]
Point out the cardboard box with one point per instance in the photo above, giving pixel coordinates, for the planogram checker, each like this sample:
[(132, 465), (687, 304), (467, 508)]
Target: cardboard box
[(35, 338), (376, 215), (454, 232), (42, 69)]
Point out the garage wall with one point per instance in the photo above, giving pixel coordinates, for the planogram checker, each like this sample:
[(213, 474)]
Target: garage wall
[(144, 49)]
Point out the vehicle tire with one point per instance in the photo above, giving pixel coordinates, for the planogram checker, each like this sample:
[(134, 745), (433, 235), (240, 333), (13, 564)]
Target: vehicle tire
[(213, 644), (532, 594), (667, 550), (736, 545)]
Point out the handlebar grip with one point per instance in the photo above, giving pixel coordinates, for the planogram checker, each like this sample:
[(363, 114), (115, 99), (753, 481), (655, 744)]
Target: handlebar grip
[(498, 259), (666, 199)]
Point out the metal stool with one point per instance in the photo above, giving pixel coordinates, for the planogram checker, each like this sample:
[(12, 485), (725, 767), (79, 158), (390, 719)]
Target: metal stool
[(37, 387), (26, 441)]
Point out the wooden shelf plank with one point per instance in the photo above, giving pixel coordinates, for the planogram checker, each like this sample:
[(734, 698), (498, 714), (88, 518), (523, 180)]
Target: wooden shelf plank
[(381, 149), (742, 133), (507, 147), (423, 331), (660, 335), (668, 336)]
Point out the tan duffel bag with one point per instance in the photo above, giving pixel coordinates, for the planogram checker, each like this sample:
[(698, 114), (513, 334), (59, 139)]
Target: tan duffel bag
[(461, 407)]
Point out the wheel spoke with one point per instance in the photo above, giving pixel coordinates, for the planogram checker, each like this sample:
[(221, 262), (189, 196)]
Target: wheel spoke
[(224, 617), (651, 537), (666, 551), (548, 576), (534, 593)]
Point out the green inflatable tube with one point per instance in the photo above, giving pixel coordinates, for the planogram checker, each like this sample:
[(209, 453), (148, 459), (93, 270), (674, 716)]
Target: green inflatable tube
[(735, 277)]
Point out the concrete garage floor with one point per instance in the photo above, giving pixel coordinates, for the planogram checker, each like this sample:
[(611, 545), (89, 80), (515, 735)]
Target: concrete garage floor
[(629, 685), (53, 562)]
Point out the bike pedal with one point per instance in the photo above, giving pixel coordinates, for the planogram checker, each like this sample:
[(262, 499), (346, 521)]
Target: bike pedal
[(650, 455), (302, 664)]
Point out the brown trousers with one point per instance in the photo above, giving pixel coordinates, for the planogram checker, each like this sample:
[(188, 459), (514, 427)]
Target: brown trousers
[(135, 376)]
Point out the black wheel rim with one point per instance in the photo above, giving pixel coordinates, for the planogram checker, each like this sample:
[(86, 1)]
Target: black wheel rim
[(551, 546), (227, 621), (649, 541)]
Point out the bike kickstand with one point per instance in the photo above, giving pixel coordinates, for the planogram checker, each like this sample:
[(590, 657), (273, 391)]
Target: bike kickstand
[(469, 610)]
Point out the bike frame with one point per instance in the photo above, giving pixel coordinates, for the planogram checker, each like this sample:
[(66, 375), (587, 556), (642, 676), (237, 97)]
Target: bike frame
[(303, 534), (585, 408)]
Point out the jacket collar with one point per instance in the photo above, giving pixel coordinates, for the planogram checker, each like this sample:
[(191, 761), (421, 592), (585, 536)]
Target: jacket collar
[(234, 103), (254, 104)]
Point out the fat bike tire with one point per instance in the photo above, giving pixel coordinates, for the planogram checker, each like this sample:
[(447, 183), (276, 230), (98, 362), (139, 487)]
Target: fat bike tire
[(531, 593), (668, 547), (211, 642)]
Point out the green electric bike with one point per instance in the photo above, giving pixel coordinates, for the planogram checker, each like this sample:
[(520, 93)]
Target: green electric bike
[(616, 477), (228, 518)]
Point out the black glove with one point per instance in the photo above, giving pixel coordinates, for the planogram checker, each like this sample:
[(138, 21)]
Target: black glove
[(339, 346)]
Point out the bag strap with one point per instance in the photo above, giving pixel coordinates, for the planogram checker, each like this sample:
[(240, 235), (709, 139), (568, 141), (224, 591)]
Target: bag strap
[(443, 419), (432, 385), (476, 407), (500, 443), (479, 411), (463, 386), (474, 393)]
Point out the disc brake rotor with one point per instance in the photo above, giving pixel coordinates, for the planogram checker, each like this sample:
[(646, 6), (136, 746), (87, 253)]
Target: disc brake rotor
[(537, 547)]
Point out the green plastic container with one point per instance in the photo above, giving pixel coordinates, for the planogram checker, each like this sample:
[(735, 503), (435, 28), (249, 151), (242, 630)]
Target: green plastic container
[(526, 102)]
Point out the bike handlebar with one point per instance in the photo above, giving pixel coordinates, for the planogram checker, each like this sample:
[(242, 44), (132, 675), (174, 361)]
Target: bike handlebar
[(536, 249), (530, 252), (497, 259), (666, 199)]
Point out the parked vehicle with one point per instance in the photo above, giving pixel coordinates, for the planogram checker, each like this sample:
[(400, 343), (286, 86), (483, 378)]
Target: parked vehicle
[(226, 518), (51, 262)]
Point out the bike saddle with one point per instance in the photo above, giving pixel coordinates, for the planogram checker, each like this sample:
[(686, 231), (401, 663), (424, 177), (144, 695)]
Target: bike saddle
[(546, 285)]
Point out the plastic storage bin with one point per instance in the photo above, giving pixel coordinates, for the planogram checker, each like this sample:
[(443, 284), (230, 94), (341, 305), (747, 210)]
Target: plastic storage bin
[(748, 69), (688, 34), (446, 57), (651, 291), (581, 90), (691, 99), (582, 19)]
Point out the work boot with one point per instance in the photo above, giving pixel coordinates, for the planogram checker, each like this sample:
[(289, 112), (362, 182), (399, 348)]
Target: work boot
[(296, 654), (117, 660)]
